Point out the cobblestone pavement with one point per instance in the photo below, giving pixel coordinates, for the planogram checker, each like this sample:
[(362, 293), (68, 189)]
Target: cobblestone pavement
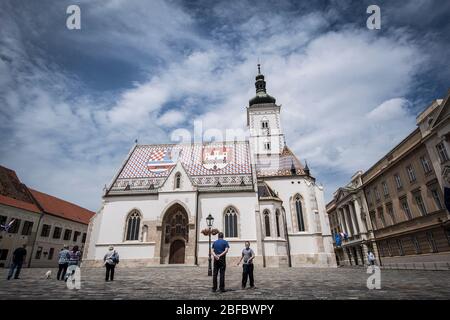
[(182, 282)]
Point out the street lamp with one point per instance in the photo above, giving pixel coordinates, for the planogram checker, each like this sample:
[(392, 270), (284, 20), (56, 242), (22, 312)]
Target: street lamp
[(209, 223)]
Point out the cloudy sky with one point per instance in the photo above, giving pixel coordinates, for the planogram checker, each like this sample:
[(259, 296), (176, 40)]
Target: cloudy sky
[(72, 102)]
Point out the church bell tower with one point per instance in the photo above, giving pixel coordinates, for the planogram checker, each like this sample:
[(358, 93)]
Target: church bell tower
[(263, 121)]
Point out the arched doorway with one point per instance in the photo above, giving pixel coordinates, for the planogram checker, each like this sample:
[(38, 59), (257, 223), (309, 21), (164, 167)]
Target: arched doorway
[(175, 235), (177, 249)]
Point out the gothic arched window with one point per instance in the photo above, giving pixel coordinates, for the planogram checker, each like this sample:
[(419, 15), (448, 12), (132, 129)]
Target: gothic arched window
[(277, 217), (133, 225), (231, 223), (299, 212), (177, 181), (267, 223)]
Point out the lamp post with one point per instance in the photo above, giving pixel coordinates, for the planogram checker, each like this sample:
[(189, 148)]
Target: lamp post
[(209, 223)]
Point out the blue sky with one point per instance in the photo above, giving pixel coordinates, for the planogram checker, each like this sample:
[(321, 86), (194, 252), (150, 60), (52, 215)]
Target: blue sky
[(72, 102)]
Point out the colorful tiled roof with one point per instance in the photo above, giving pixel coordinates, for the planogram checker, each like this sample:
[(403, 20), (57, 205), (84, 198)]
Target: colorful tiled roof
[(207, 164), (62, 208)]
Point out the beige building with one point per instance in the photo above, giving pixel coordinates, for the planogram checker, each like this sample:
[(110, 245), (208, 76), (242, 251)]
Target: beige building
[(43, 222), (348, 213), (404, 195)]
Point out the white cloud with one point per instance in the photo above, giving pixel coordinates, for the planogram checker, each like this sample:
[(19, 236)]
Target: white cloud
[(342, 93), (171, 118), (393, 109)]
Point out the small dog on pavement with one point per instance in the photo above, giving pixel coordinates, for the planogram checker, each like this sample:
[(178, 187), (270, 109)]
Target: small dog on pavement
[(48, 274)]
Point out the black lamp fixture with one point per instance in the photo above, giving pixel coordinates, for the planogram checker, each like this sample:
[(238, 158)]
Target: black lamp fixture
[(209, 223)]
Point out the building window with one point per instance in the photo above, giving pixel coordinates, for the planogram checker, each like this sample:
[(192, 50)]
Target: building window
[(177, 181), (38, 253), (411, 173), (377, 194), (389, 248), (15, 226), (266, 145), (27, 228), (45, 232), (416, 244), (369, 198), (420, 204), (432, 242), (299, 211), (267, 223), (373, 219), (265, 124), (442, 152), (277, 217), (385, 189), (133, 225), (425, 164), (83, 239), (231, 223), (437, 199), (76, 234), (381, 247), (50, 253), (67, 234), (400, 247), (381, 215), (406, 209), (398, 181), (390, 211), (57, 233), (3, 254)]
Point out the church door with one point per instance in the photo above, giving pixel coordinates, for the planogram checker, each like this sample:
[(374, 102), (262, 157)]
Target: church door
[(177, 252)]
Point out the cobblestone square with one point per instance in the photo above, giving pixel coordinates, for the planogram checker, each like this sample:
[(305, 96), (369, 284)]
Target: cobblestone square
[(181, 282)]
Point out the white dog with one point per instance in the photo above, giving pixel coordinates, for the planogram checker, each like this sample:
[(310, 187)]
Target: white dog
[(48, 274)]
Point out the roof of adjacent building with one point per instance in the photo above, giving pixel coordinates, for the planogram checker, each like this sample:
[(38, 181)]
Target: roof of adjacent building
[(11, 202), (14, 193), (61, 208)]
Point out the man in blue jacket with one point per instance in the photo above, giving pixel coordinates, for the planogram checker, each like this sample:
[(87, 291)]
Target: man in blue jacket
[(220, 248)]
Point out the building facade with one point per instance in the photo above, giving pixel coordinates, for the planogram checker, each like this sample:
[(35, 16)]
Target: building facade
[(348, 214), (155, 208), (406, 198), (41, 222)]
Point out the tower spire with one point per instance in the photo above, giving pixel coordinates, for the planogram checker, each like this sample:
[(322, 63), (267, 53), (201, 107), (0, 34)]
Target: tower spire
[(261, 93)]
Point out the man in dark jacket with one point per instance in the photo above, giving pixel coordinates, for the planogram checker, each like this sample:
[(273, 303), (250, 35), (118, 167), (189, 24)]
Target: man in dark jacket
[(220, 249), (17, 261)]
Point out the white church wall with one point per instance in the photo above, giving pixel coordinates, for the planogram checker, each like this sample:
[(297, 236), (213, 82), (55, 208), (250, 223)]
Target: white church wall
[(216, 203), (288, 187), (93, 235)]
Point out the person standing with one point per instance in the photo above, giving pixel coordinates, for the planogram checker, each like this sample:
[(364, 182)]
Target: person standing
[(371, 258), (74, 260), (111, 259), (17, 261), (63, 262), (220, 249), (247, 267)]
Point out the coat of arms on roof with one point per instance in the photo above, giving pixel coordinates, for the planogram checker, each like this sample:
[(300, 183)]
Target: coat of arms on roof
[(216, 157), (162, 159)]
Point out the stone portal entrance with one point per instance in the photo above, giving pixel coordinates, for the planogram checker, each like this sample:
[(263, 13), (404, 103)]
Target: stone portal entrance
[(174, 235), (177, 249)]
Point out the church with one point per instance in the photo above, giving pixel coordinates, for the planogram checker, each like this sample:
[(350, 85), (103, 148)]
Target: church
[(154, 212)]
